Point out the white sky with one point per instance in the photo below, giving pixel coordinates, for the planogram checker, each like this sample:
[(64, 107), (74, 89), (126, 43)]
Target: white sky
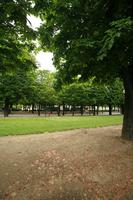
[(43, 58)]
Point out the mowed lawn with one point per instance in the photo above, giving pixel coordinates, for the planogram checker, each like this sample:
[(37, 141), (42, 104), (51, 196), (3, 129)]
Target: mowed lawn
[(19, 126)]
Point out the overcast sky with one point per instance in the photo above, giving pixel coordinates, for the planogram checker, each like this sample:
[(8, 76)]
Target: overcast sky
[(43, 58)]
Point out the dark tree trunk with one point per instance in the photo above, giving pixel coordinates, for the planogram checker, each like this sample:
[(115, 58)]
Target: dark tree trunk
[(90, 110), (33, 105), (121, 110), (81, 110), (58, 111), (39, 107), (94, 110), (63, 112), (127, 130), (110, 109), (51, 108), (73, 110), (6, 108), (97, 110)]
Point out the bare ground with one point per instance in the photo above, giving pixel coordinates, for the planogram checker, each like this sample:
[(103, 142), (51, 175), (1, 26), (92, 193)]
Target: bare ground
[(84, 164)]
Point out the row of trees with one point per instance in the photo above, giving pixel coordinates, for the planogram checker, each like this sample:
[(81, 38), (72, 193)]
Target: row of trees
[(85, 94), (38, 88)]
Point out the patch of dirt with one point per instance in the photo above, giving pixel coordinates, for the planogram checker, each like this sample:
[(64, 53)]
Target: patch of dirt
[(83, 164)]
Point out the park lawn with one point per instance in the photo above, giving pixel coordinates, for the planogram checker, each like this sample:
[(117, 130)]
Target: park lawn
[(20, 126)]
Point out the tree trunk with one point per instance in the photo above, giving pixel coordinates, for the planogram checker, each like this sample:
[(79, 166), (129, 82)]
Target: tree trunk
[(94, 110), (121, 110), (73, 110), (33, 105), (127, 130), (90, 110), (51, 107), (110, 109), (6, 108), (63, 112), (97, 110), (39, 107), (58, 111), (10, 109), (81, 110)]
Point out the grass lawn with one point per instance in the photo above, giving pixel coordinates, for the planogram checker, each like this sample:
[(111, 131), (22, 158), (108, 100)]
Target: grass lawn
[(19, 126)]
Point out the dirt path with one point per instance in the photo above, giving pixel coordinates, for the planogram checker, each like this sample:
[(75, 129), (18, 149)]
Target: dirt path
[(85, 164)]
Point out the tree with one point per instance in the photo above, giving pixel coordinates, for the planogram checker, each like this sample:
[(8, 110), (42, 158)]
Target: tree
[(92, 38), (15, 34), (42, 92), (114, 95), (96, 96), (81, 94), (16, 48), (13, 18), (74, 95), (14, 88)]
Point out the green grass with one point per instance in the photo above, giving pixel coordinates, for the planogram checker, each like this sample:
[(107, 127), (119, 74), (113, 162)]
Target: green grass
[(20, 126)]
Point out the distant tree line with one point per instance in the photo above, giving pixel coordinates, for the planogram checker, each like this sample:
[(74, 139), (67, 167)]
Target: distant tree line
[(37, 89)]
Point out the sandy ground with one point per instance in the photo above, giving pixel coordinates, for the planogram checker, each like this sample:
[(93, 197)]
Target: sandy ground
[(84, 164)]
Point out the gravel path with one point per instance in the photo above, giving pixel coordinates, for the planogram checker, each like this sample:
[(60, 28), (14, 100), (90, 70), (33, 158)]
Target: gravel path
[(83, 164)]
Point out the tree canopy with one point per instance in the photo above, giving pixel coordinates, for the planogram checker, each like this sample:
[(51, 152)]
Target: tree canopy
[(15, 34), (13, 18), (88, 37)]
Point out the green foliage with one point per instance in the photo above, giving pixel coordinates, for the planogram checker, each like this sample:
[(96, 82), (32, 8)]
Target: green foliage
[(15, 86), (114, 93), (41, 91), (120, 31), (15, 35), (13, 18), (92, 94), (73, 94), (90, 38), (28, 87), (14, 55), (45, 91)]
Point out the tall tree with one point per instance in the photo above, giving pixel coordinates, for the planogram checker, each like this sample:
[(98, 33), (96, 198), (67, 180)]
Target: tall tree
[(92, 38), (15, 34), (15, 87), (75, 95), (13, 18), (16, 48), (42, 91)]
